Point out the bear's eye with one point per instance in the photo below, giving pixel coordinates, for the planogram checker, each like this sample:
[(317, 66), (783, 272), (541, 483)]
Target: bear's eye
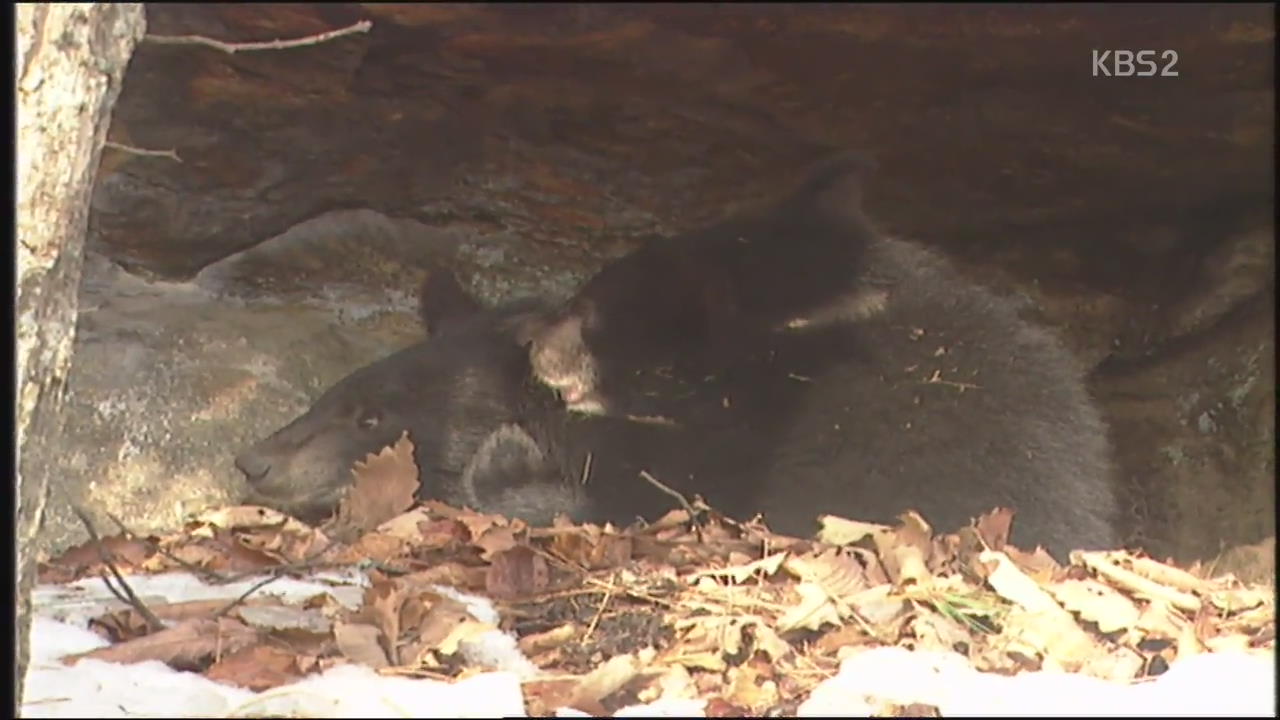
[(368, 419)]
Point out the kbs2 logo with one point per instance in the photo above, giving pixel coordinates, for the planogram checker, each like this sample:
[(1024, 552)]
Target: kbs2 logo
[(1127, 63)]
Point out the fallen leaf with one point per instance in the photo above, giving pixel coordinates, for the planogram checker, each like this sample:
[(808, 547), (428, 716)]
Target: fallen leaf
[(1159, 620), (462, 632), (547, 639), (594, 548), (185, 646), (1037, 621), (1098, 603), (994, 526), (385, 486), (240, 517), (358, 642), (906, 549), (126, 553), (382, 602), (603, 682), (380, 547), (495, 540), (814, 610), (285, 617), (836, 572), (435, 626), (748, 689), (763, 567), (256, 668), (545, 697), (517, 572), (1109, 566), (840, 531)]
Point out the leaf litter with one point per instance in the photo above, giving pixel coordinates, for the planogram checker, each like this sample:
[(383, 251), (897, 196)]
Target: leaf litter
[(708, 609)]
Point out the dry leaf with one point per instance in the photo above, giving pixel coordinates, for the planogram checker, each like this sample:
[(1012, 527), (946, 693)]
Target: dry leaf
[(284, 617), (993, 527), (603, 682), (256, 668), (839, 531), (127, 554), (764, 567), (814, 610), (543, 641), (1038, 623), (1108, 566), (516, 572), (462, 632), (241, 517), (185, 646), (385, 486), (359, 643), (905, 550), (1099, 603), (382, 602), (1159, 620), (495, 540), (749, 690)]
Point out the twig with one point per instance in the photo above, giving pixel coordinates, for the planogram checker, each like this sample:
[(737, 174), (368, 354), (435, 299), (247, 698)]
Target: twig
[(595, 620), (274, 576), (656, 483), (124, 593), (141, 151), (232, 48), (936, 379), (192, 568), (586, 470)]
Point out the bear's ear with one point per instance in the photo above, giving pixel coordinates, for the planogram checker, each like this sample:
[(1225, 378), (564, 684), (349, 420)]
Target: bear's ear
[(442, 301), (508, 458), (527, 326), (835, 185), (574, 316)]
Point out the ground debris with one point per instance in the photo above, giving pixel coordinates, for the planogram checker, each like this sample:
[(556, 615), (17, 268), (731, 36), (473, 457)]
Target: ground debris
[(725, 615)]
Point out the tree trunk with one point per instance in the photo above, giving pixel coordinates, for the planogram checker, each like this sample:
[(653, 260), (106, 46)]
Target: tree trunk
[(70, 66)]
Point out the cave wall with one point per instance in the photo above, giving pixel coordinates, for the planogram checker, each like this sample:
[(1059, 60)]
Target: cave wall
[(528, 144)]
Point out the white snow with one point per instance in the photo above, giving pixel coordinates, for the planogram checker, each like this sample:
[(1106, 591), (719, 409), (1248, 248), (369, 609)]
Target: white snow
[(1224, 684), (1221, 684)]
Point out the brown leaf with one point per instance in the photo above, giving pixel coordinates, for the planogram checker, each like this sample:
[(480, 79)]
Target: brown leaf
[(544, 697), (442, 617), (424, 530), (495, 540), (602, 682), (256, 668), (186, 646), (593, 547), (1095, 601), (750, 689), (290, 543), (449, 573), (359, 642), (535, 643), (127, 624), (906, 550), (384, 488), (126, 553), (993, 527), (382, 602), (380, 547), (516, 572), (841, 531)]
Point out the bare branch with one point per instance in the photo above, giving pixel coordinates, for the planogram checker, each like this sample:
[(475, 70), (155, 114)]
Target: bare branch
[(140, 151), (232, 48), (123, 592)]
